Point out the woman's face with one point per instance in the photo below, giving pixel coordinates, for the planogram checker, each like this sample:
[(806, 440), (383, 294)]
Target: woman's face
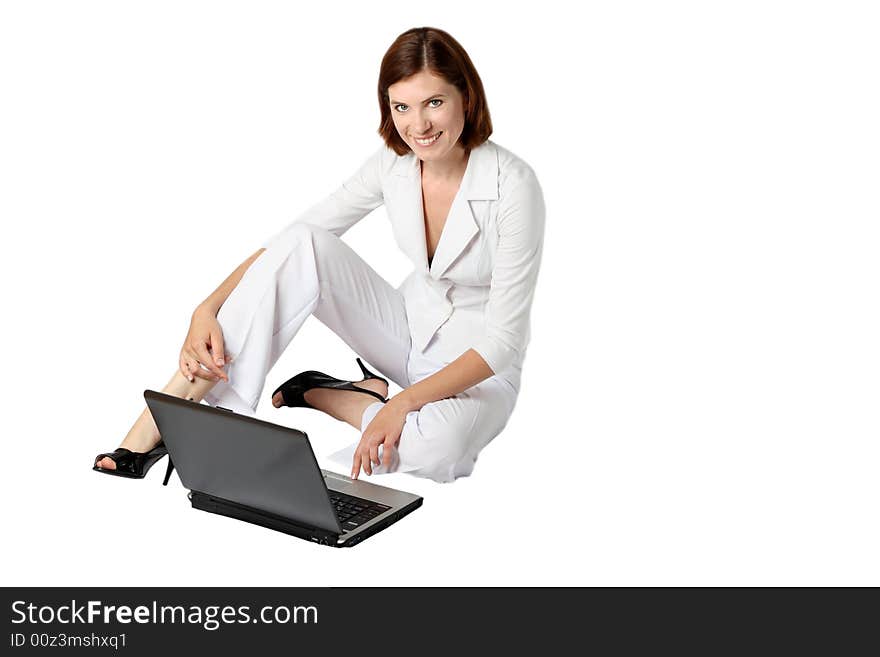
[(424, 106)]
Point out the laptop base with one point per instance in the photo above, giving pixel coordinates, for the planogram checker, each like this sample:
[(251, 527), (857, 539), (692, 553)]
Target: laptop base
[(212, 504)]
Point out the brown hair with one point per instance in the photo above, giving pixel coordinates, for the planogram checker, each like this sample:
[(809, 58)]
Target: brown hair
[(430, 48)]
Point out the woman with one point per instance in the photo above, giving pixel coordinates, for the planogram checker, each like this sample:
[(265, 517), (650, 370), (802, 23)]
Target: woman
[(453, 336)]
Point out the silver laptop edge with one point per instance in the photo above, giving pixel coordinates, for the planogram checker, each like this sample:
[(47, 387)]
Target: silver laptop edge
[(396, 499)]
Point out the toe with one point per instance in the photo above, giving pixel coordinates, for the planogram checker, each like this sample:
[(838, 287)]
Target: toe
[(107, 463), (277, 400)]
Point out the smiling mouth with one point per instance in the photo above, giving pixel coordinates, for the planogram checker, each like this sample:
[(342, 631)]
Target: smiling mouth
[(429, 140)]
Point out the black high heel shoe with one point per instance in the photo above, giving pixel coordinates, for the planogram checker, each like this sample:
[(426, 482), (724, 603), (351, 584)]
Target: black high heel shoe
[(293, 390), (135, 465)]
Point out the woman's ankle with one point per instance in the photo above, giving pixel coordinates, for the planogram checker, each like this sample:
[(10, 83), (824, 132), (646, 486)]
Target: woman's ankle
[(144, 435)]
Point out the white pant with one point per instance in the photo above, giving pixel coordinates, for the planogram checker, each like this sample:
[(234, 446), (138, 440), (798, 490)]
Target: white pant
[(310, 271)]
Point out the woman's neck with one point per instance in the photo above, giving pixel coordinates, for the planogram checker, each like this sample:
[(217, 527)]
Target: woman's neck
[(450, 169)]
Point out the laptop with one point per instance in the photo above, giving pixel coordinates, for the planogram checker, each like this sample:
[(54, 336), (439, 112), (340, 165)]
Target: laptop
[(266, 474)]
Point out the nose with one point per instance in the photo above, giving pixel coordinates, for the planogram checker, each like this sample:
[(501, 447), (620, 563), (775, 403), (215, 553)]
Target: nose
[(421, 126)]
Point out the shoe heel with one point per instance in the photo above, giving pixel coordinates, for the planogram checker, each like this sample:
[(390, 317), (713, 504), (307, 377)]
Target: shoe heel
[(367, 373), (168, 470)]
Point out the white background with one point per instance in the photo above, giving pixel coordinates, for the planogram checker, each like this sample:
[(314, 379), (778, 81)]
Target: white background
[(699, 402)]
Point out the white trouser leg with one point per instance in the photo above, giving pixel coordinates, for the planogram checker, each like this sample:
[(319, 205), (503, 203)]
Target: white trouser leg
[(307, 270), (442, 440)]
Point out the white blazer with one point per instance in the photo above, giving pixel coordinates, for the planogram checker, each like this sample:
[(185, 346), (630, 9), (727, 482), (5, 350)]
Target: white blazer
[(477, 292)]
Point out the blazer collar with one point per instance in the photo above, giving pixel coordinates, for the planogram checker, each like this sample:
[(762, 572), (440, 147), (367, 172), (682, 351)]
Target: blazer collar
[(480, 183)]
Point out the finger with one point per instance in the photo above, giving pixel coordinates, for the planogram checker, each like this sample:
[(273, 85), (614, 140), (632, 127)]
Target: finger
[(356, 461), (204, 357), (374, 455), (365, 463), (196, 370), (191, 368), (184, 368), (355, 465), (191, 362), (207, 375), (217, 348), (386, 452)]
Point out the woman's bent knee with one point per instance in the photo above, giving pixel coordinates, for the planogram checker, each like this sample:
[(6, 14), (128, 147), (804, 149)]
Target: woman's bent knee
[(440, 454), (444, 439)]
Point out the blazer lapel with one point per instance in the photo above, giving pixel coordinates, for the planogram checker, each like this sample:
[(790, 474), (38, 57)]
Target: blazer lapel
[(408, 217), (480, 182)]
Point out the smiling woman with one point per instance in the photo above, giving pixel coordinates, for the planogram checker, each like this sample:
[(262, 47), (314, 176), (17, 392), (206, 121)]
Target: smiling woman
[(453, 336), (427, 84)]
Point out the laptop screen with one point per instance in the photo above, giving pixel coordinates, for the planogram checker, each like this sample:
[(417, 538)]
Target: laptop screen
[(243, 459)]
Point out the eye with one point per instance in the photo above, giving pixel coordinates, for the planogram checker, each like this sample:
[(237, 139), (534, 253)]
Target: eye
[(406, 107)]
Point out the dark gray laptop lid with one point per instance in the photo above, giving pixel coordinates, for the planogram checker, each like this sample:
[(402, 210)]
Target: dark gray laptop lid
[(243, 459)]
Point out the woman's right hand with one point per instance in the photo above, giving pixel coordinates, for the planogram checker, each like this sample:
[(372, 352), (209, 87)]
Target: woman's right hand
[(204, 344)]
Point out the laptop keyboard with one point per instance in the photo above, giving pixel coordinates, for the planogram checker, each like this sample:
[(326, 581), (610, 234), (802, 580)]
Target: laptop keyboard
[(353, 512)]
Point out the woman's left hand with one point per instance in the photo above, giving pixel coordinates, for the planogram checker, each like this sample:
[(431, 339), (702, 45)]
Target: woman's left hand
[(385, 429)]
